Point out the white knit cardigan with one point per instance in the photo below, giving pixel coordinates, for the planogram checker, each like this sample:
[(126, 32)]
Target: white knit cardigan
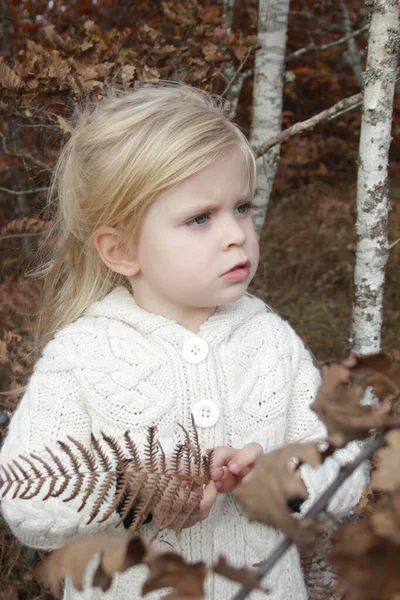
[(120, 367)]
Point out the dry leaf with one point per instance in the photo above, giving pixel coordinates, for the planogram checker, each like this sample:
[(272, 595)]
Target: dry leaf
[(64, 125), (8, 78), (386, 477), (367, 566), (245, 575), (171, 570), (380, 371), (273, 483), (117, 555), (338, 405), (385, 518)]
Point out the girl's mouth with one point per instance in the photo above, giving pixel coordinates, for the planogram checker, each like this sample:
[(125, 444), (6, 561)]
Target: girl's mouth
[(238, 273)]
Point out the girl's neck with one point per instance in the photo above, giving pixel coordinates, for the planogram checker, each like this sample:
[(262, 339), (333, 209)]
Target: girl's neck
[(189, 317)]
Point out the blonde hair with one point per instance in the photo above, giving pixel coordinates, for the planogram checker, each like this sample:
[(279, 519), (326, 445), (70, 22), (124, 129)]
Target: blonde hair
[(122, 154)]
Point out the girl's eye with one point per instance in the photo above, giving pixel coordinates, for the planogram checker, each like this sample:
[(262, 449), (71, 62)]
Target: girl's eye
[(243, 209), (199, 220)]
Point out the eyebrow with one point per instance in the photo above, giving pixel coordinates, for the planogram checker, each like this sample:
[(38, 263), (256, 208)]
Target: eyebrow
[(203, 207)]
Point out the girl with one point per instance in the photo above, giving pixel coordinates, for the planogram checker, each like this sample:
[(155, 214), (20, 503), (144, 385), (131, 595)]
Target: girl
[(146, 320)]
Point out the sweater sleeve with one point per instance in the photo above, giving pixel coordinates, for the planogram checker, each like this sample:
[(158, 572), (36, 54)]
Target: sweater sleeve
[(50, 410), (303, 425)]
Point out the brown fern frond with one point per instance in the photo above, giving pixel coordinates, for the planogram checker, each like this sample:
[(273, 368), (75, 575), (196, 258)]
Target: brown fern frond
[(36, 490), (176, 459), (64, 474), (75, 462), (50, 472), (102, 456), (25, 225), (165, 505), (24, 473), (116, 478), (104, 491), (197, 449), (136, 485), (189, 507), (133, 452), (179, 505), (116, 449), (20, 483), (88, 458), (93, 478), (123, 483), (39, 480), (144, 505), (163, 460), (77, 488), (187, 452), (8, 481), (207, 462), (34, 468), (150, 450)]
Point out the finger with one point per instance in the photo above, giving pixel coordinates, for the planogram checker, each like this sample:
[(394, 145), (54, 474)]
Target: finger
[(210, 494), (227, 483), (221, 456), (245, 457)]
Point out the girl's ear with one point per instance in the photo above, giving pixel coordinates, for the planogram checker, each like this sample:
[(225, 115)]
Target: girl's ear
[(115, 252)]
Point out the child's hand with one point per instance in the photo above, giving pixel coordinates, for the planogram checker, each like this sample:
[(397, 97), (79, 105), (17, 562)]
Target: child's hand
[(210, 494), (231, 466)]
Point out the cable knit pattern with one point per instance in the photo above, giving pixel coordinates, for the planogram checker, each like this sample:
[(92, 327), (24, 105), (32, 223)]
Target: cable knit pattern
[(119, 367)]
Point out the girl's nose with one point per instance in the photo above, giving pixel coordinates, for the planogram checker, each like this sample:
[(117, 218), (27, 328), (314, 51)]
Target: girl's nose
[(233, 234)]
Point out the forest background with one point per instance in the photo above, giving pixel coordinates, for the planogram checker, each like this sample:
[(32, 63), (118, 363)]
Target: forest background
[(54, 53)]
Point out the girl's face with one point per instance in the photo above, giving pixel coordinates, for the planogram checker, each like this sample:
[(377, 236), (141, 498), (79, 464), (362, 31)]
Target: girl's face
[(191, 236)]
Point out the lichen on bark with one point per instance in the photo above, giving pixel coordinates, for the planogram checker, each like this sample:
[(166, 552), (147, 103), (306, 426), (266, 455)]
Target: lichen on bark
[(372, 187)]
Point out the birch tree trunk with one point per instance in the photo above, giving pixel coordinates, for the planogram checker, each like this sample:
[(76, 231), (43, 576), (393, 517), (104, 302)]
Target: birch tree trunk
[(372, 187), (267, 96)]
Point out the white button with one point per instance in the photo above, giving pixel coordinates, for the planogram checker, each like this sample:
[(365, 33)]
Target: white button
[(205, 413), (195, 349)]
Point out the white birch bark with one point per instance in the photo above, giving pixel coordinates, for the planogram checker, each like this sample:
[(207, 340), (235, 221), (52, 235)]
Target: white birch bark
[(234, 77), (267, 96), (227, 14), (372, 192)]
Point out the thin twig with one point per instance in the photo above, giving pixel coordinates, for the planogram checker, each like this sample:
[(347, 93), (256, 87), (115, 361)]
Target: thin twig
[(237, 72), (338, 42), (393, 244), (318, 507), (18, 235), (23, 155), (308, 15), (334, 111), (18, 192)]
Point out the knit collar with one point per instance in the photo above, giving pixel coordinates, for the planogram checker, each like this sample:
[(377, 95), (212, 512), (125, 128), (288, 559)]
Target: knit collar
[(120, 305)]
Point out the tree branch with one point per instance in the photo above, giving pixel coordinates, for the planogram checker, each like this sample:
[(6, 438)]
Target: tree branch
[(319, 506), (229, 84), (329, 113), (308, 15), (18, 192), (338, 42), (19, 235), (23, 155)]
